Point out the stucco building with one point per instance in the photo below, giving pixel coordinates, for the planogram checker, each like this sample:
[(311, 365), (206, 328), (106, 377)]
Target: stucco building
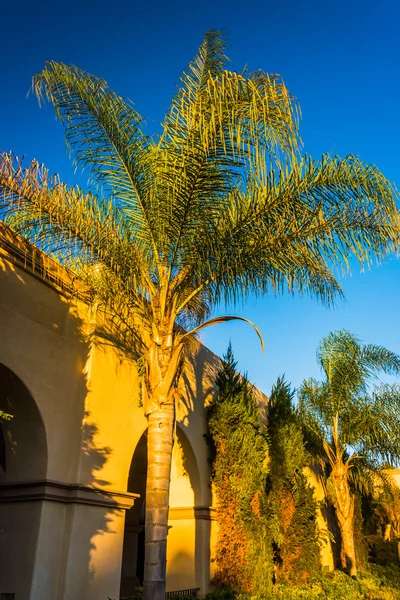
[(73, 458)]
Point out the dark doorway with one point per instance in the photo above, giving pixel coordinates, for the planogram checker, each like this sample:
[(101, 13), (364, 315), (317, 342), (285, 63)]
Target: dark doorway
[(133, 551), (23, 459)]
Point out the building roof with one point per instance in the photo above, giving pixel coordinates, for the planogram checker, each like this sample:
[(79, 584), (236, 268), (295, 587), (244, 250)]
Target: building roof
[(28, 257)]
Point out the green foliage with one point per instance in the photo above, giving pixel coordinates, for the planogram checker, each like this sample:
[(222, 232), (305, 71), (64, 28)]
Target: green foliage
[(138, 595), (239, 468), (382, 583), (291, 507), (222, 594), (266, 507), (368, 423)]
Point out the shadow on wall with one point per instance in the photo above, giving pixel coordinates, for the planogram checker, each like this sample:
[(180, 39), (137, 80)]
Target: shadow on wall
[(198, 382), (76, 547), (57, 536), (93, 457)]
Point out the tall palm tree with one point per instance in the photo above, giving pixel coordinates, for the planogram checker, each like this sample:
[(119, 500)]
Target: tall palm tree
[(356, 429), (218, 207)]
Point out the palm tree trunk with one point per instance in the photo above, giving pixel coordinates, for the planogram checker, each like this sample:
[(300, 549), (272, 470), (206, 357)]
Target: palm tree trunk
[(160, 438), (348, 553), (344, 506)]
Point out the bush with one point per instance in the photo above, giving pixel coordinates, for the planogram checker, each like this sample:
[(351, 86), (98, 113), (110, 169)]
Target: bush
[(382, 583), (222, 594), (239, 451), (138, 595)]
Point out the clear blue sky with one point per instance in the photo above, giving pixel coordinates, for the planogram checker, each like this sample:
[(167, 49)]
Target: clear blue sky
[(341, 60)]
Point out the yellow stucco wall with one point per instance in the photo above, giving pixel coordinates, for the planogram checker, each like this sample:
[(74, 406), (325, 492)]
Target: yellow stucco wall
[(86, 398)]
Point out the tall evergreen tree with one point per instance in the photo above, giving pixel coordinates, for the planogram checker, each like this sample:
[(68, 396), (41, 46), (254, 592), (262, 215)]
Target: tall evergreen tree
[(239, 469), (292, 509)]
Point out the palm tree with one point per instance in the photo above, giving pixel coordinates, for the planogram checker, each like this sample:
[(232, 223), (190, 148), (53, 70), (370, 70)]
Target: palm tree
[(355, 429), (220, 206)]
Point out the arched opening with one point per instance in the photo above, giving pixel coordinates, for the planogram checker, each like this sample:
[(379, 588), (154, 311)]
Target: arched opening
[(184, 496), (133, 550), (23, 447), (23, 459)]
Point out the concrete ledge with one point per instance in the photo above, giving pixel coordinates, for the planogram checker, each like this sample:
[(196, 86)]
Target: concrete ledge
[(68, 493), (179, 513)]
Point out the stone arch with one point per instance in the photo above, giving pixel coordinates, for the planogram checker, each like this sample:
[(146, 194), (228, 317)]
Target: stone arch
[(184, 553), (24, 465), (184, 495), (24, 440), (133, 548)]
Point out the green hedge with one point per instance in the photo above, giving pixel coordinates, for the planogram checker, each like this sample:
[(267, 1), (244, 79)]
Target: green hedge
[(382, 583)]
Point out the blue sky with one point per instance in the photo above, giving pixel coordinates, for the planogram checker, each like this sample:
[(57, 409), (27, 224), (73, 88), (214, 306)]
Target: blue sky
[(340, 59)]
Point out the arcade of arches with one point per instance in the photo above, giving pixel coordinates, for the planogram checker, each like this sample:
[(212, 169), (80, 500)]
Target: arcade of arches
[(73, 457)]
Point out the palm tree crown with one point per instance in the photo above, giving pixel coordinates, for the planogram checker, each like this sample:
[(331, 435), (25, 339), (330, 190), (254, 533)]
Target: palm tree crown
[(349, 418), (211, 209)]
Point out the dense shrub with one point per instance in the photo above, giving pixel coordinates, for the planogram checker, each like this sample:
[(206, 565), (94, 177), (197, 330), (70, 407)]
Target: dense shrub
[(266, 509), (382, 583), (138, 595), (239, 452), (291, 507)]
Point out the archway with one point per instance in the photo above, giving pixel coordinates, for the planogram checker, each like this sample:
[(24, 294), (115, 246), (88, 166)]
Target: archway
[(23, 451), (24, 436), (133, 549), (184, 494)]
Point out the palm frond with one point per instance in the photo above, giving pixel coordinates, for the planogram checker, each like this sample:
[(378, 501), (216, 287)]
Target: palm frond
[(377, 431), (225, 319), (292, 229), (103, 132), (355, 424), (315, 411), (75, 227), (219, 123)]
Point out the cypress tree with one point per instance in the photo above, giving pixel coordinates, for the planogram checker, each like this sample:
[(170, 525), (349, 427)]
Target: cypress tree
[(290, 499), (266, 508), (239, 452)]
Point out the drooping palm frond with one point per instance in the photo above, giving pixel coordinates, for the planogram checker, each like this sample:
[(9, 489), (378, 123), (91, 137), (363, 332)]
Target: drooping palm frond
[(75, 227), (225, 319), (290, 230)]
